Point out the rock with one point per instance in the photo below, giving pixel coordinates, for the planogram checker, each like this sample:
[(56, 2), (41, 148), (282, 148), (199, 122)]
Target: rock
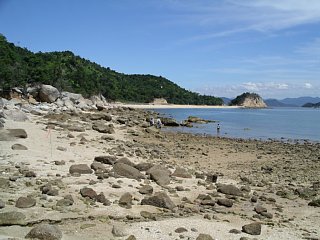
[(126, 161), (127, 171), (225, 202), (252, 228), (315, 203), (181, 230), (2, 204), (182, 173), (59, 163), (229, 189), (212, 178), (160, 175), (48, 93), (249, 100), (148, 215), (64, 202), (30, 174), (203, 236), (103, 128), (235, 231), (144, 166), (80, 168), (106, 159), (18, 146), (25, 202), (118, 231), (160, 199), (45, 232), (16, 115), (125, 200), (170, 122), (18, 133), (12, 218), (63, 149), (88, 192), (4, 183), (102, 199), (146, 189), (131, 237), (97, 166), (259, 209)]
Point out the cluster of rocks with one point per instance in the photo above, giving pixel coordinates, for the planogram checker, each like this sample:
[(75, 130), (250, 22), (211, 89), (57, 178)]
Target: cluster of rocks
[(138, 173)]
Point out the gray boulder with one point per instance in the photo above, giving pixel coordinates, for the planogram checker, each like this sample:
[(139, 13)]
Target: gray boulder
[(25, 202), (45, 232), (160, 199), (16, 115), (80, 168), (48, 93), (229, 189), (203, 236), (252, 228), (127, 171), (160, 175), (12, 218), (18, 133)]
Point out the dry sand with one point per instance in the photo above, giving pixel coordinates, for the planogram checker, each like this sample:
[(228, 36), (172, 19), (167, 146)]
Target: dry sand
[(266, 168)]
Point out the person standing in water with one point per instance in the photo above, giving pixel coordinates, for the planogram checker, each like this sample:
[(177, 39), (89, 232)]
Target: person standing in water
[(218, 129), (159, 123)]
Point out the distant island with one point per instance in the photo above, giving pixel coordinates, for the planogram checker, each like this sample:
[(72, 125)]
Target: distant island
[(312, 105), (248, 100), (22, 68)]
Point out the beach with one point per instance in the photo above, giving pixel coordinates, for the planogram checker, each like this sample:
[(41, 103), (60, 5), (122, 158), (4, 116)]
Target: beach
[(210, 186)]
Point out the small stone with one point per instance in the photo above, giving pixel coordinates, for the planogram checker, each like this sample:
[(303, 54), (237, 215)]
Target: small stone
[(2, 204), (225, 202), (45, 232), (18, 146), (259, 209), (30, 174), (235, 231), (118, 231), (252, 228), (131, 237), (88, 192), (63, 149), (59, 163), (181, 230), (125, 200), (160, 199), (146, 189), (203, 236)]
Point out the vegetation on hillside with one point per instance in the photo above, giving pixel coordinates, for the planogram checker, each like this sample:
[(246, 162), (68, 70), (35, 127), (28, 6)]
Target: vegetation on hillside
[(241, 98), (312, 105), (21, 67)]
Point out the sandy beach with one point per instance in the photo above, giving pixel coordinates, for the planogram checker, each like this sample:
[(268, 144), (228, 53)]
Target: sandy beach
[(213, 186)]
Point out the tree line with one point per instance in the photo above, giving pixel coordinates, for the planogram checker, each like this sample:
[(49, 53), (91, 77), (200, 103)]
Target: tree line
[(20, 67)]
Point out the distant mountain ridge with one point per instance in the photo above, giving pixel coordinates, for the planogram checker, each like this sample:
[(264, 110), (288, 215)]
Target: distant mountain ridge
[(286, 102), (312, 105)]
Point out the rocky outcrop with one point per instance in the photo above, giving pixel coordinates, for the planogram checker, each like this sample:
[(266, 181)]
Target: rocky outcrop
[(249, 100), (48, 94)]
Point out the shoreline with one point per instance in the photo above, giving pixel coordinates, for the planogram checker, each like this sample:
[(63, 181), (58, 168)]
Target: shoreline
[(174, 106)]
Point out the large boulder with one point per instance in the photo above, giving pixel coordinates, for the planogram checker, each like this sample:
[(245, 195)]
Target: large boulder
[(160, 199), (16, 115), (18, 133), (182, 173), (170, 122), (160, 175), (48, 93), (106, 159), (45, 232), (127, 171)]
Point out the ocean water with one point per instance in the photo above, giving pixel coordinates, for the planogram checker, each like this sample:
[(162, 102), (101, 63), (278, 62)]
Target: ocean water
[(269, 123)]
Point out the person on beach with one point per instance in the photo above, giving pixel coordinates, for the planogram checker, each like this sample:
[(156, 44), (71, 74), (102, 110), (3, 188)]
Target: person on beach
[(159, 123), (218, 129), (151, 121)]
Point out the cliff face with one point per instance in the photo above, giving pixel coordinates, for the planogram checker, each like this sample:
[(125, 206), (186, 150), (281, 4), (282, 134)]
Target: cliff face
[(249, 100)]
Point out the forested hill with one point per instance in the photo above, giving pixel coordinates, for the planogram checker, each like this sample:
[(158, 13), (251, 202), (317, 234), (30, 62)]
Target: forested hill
[(67, 72)]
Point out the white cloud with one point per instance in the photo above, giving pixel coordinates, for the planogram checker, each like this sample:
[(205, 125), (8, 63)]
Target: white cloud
[(308, 85), (250, 86)]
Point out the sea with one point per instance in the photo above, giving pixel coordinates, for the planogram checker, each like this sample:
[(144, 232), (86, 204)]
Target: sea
[(284, 124)]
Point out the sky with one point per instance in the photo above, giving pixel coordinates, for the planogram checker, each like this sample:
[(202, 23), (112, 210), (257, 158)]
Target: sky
[(214, 47)]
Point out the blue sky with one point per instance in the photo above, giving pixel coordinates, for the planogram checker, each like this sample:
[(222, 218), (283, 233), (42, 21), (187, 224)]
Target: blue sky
[(215, 47)]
